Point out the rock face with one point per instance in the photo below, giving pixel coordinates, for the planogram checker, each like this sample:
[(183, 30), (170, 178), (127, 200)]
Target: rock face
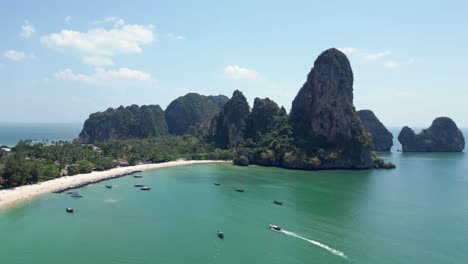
[(442, 136), (381, 137), (323, 115), (263, 117), (190, 110), (124, 122), (231, 123)]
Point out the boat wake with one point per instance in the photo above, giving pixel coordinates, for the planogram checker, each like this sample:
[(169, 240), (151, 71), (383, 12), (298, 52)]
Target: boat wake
[(318, 244)]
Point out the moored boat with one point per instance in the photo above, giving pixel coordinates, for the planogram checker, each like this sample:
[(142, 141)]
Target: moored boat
[(220, 234), (109, 186), (137, 176), (69, 210), (278, 202), (240, 190), (139, 185), (76, 195), (217, 183), (145, 188)]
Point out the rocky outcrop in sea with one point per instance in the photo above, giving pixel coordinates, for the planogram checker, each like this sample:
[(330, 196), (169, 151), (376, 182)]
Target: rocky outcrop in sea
[(442, 136)]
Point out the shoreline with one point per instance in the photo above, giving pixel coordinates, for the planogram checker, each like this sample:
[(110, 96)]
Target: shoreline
[(12, 196)]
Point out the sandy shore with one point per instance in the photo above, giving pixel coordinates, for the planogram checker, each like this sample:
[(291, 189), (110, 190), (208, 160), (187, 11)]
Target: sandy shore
[(9, 197)]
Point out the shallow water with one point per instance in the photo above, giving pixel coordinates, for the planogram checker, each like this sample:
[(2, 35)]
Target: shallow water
[(417, 213)]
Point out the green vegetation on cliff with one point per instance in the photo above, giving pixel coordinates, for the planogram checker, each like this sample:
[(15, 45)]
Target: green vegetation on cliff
[(123, 123), (190, 110), (231, 123)]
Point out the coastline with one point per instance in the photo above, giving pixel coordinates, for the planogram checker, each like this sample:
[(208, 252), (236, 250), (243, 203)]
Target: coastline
[(13, 196)]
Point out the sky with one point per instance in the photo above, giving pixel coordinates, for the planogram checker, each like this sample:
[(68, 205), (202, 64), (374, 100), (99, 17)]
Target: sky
[(62, 60)]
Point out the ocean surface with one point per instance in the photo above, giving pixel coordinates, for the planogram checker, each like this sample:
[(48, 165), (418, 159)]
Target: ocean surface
[(10, 134), (417, 213)]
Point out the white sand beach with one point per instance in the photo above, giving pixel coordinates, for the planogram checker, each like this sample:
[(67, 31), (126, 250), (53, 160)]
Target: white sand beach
[(12, 196)]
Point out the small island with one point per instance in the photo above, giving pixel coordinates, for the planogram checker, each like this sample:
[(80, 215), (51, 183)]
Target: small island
[(442, 136)]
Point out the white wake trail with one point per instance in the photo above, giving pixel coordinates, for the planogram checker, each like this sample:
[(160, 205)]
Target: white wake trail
[(332, 250)]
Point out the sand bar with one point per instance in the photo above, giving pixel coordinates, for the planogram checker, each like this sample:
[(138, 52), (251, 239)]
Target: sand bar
[(12, 196)]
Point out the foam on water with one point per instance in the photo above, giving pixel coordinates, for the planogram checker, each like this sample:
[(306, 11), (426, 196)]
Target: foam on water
[(111, 200), (332, 250)]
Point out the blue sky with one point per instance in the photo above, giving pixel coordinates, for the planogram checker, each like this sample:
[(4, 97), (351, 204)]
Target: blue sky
[(62, 60)]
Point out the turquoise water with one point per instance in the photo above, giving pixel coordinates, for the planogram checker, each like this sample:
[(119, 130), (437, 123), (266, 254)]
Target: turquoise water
[(10, 134), (417, 213)]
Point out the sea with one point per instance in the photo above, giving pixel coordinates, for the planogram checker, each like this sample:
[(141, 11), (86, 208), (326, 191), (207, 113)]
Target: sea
[(417, 213), (12, 133)]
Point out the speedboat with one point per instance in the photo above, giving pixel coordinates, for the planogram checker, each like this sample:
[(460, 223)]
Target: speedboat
[(139, 185), (69, 210), (220, 234), (145, 188), (278, 202), (274, 227), (109, 186)]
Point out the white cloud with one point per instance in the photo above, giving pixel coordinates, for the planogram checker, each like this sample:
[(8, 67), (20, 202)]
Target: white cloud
[(175, 37), (97, 61), (122, 74), (364, 54), (236, 72), (410, 61), (27, 29), (348, 50), (103, 42), (67, 19), (15, 55), (102, 76), (391, 64), (68, 75), (117, 21), (375, 56), (2, 66)]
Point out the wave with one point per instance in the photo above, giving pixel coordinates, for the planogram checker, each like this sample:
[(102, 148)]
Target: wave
[(330, 249)]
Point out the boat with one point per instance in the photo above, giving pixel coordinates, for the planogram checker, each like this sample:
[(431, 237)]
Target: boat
[(274, 227), (220, 234), (139, 185), (278, 202), (240, 190), (137, 176), (109, 186), (69, 210), (145, 188), (76, 195), (216, 183)]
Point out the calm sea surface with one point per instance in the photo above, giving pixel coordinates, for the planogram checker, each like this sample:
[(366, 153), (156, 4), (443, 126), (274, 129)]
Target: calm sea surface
[(10, 134), (417, 213)]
